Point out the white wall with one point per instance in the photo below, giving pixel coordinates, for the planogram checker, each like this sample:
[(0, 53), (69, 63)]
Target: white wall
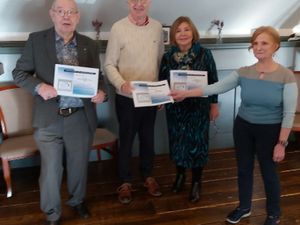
[(239, 16)]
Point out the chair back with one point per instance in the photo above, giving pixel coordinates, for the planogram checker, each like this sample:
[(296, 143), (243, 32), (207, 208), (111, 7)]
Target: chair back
[(297, 76), (16, 112), (296, 125)]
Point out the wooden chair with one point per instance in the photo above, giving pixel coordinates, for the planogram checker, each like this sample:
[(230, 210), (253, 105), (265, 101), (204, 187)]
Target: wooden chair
[(296, 125), (16, 117), (16, 122), (106, 141)]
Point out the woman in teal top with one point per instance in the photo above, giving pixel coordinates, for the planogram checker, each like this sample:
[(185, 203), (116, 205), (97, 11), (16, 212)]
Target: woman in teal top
[(188, 120), (262, 126)]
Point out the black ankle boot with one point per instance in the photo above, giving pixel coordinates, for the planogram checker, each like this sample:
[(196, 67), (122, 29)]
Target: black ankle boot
[(194, 193), (179, 183)]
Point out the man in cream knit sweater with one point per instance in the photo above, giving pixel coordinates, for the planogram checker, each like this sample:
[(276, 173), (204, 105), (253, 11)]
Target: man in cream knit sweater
[(134, 51)]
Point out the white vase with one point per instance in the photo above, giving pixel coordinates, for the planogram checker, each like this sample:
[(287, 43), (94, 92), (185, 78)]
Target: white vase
[(97, 36), (219, 38)]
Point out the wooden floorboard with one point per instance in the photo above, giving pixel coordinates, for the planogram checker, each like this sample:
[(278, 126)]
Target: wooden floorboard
[(218, 195)]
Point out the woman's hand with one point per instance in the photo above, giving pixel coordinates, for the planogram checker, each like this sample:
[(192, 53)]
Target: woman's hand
[(214, 111), (279, 153), (178, 95)]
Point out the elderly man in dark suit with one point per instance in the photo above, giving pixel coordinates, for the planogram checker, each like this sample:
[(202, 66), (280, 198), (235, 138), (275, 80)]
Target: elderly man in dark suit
[(62, 123)]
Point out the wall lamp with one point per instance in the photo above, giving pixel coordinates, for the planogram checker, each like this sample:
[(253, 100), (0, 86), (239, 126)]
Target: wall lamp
[(1, 69)]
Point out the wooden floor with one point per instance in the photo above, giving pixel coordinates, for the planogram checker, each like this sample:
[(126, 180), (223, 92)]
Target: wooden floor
[(218, 197)]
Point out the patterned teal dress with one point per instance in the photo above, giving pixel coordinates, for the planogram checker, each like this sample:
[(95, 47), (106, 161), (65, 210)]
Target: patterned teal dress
[(188, 121)]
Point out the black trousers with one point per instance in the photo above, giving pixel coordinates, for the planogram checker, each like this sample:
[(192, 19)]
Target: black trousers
[(257, 140), (134, 121)]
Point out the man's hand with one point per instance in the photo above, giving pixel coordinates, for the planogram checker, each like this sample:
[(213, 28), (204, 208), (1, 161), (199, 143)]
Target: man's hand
[(126, 88), (160, 107), (47, 91), (99, 97)]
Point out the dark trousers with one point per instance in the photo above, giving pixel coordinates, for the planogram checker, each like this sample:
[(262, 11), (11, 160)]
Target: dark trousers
[(260, 140), (132, 121), (72, 135)]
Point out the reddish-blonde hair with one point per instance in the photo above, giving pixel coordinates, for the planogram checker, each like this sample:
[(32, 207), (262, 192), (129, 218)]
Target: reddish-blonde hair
[(268, 30), (175, 25)]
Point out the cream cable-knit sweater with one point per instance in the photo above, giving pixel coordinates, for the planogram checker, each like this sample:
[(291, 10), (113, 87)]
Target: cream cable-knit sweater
[(133, 52)]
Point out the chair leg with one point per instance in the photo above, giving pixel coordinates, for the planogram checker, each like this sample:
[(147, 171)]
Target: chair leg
[(114, 154), (7, 177), (98, 154), (114, 150)]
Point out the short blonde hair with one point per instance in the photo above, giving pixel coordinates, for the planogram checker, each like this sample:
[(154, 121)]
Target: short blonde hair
[(268, 30), (175, 25)]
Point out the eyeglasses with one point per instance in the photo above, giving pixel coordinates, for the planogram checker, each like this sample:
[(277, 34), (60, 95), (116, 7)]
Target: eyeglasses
[(63, 13), (134, 2)]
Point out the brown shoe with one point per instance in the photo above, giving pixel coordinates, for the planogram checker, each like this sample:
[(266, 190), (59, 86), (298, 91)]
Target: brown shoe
[(152, 186), (124, 192)]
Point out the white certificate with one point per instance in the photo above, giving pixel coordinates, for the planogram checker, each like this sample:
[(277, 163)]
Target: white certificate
[(150, 93), (76, 81), (187, 79)]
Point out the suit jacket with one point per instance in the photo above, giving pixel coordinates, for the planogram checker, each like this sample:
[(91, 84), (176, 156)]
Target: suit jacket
[(37, 64)]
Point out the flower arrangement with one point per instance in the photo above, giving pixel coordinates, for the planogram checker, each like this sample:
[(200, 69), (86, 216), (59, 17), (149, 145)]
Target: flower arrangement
[(219, 24), (97, 25)]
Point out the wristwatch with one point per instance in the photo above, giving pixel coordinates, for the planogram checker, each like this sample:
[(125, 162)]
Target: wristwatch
[(283, 143)]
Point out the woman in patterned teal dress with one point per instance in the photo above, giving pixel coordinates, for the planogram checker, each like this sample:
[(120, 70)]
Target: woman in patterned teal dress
[(188, 120)]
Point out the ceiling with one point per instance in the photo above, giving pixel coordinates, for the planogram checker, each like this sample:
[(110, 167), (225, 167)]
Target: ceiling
[(239, 16)]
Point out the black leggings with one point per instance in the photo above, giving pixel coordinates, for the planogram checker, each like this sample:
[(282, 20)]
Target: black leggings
[(257, 141)]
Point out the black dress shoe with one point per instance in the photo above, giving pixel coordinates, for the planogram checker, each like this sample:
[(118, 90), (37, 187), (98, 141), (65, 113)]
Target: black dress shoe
[(194, 194), (179, 183), (82, 210), (55, 222)]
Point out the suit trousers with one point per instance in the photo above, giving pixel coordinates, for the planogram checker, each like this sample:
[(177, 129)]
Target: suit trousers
[(134, 121), (73, 136), (257, 140)]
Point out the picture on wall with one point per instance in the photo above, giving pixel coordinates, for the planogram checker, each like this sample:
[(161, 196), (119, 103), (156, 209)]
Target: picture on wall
[(166, 34)]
